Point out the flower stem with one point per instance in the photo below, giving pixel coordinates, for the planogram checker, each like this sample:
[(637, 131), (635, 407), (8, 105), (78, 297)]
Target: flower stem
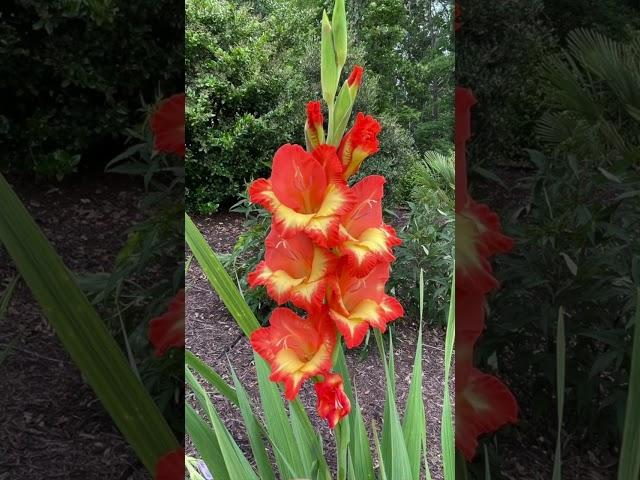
[(331, 127), (342, 432)]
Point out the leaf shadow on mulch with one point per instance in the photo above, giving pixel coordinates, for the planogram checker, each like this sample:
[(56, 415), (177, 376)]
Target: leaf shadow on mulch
[(212, 334), (51, 423)]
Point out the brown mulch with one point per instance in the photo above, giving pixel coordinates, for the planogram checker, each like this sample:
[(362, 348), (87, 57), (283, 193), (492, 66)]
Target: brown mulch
[(51, 423), (212, 334)]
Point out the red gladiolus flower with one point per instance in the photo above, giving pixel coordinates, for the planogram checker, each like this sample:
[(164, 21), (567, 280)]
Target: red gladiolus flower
[(167, 124), (359, 143), (302, 197), (171, 466), (295, 348), (167, 330), (327, 155), (294, 270), (357, 303), (314, 127), (478, 236), (355, 78), (483, 405), (364, 238), (333, 403)]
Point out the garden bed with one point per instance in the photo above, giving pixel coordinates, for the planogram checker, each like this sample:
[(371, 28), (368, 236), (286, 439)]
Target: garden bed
[(53, 426), (526, 450), (213, 335)]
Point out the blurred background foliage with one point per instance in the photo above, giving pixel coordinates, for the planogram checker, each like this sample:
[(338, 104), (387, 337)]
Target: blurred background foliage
[(74, 71), (555, 149), (251, 67)]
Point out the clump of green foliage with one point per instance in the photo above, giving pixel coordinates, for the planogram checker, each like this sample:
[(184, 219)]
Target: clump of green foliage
[(428, 238), (577, 240), (498, 51), (74, 71), (244, 95)]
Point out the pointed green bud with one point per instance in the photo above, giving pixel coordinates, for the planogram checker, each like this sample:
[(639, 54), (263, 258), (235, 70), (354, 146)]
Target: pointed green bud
[(328, 67), (344, 105), (339, 25)]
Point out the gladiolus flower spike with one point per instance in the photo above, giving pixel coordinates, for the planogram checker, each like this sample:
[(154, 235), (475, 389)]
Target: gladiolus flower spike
[(329, 251)]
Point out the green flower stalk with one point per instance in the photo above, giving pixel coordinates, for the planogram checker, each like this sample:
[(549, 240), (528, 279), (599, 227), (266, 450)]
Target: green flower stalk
[(328, 67), (339, 25)]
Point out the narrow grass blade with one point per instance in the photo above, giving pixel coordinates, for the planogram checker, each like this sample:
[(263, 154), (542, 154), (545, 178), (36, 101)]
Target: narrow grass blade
[(359, 448), (7, 295), (560, 370), (343, 438), (309, 437), (211, 376), (461, 467), (426, 462), (254, 431), (234, 460), (446, 434), (220, 279), (206, 442), (83, 333), (487, 464), (386, 422), (277, 423), (629, 457), (376, 441), (193, 472), (306, 454), (395, 454), (414, 422)]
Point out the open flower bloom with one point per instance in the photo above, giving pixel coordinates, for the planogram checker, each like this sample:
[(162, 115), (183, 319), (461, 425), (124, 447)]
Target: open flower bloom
[(170, 466), (294, 269), (478, 236), (167, 124), (359, 143), (364, 238), (357, 303), (483, 405), (295, 348), (167, 330), (302, 196), (333, 403), (314, 127)]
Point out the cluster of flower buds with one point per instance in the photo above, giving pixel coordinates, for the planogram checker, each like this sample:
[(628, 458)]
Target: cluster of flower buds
[(483, 403), (328, 251)]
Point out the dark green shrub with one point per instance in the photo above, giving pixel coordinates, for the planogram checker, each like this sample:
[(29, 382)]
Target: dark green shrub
[(576, 244), (246, 91), (75, 71), (428, 238), (498, 51), (614, 18)]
